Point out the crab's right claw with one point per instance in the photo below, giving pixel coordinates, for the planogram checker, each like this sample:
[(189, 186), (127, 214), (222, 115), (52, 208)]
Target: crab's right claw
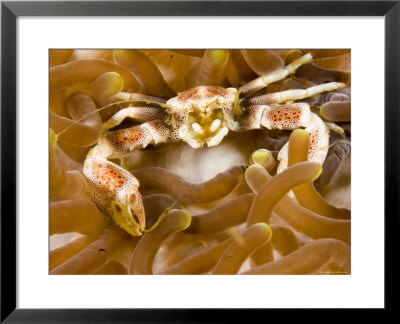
[(115, 191), (319, 143)]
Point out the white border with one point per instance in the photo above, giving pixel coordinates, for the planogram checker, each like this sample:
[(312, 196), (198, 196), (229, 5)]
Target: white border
[(364, 288)]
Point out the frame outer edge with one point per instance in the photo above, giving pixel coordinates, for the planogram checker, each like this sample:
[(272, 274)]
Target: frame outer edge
[(8, 155), (202, 8), (392, 151), (8, 161)]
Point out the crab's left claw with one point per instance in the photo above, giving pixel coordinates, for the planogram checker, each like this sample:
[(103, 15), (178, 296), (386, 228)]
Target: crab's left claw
[(115, 191), (130, 216)]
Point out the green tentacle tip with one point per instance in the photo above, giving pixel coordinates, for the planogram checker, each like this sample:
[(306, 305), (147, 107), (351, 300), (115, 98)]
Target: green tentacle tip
[(261, 157), (185, 218), (287, 81), (322, 112), (300, 132), (108, 84), (219, 56), (336, 128), (319, 170), (293, 55), (52, 137), (115, 81), (268, 230)]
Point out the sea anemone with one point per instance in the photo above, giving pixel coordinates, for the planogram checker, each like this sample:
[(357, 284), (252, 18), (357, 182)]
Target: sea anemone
[(211, 210)]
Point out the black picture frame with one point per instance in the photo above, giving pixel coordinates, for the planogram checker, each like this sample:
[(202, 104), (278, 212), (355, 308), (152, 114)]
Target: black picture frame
[(11, 10)]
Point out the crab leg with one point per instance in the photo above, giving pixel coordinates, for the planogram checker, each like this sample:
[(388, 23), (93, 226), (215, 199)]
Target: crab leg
[(266, 79), (294, 94), (121, 143), (287, 116), (126, 96), (139, 114)]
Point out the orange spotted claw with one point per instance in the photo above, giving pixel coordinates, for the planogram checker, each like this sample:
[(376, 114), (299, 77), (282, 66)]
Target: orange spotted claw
[(115, 191)]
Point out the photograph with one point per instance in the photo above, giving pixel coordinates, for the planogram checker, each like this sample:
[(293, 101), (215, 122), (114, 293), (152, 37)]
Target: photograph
[(172, 139), (199, 161)]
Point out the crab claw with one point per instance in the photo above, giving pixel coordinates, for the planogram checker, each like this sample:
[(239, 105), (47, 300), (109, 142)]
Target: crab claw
[(115, 191), (319, 143)]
